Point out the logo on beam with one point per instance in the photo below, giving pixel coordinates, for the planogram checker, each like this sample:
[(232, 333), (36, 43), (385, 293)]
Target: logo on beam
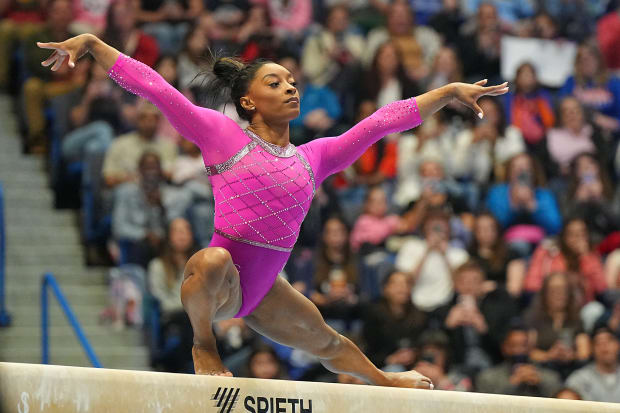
[(225, 399)]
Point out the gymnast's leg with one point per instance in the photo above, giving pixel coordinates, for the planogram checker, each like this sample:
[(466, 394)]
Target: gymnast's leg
[(210, 292), (288, 317)]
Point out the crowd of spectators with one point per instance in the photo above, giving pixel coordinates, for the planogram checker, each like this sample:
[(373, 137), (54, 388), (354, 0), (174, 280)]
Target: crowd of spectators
[(485, 253)]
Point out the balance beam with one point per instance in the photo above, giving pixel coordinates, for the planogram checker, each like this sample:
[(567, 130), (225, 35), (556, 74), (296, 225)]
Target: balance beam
[(31, 388)]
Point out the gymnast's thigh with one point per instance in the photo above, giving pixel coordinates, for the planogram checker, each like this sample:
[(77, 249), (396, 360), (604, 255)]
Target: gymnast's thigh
[(290, 318)]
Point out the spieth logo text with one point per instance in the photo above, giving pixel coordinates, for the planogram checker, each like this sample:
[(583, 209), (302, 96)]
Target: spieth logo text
[(226, 399)]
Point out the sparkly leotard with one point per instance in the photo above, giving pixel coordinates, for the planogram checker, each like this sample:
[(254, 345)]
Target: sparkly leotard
[(262, 191)]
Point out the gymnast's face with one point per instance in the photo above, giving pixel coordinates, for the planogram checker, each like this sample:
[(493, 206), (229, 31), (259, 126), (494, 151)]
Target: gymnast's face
[(273, 94)]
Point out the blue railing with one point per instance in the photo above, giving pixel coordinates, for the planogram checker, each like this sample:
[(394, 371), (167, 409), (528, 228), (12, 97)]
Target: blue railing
[(5, 317), (48, 280)]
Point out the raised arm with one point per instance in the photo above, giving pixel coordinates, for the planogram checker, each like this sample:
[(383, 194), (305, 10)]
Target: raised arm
[(204, 127), (333, 154)]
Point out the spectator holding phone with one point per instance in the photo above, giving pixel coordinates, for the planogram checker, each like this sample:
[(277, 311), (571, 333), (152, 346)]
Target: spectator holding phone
[(526, 209), (591, 196), (429, 262), (558, 337), (475, 319), (517, 375)]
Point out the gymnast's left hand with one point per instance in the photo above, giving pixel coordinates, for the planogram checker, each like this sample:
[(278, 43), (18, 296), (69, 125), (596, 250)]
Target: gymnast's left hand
[(468, 94)]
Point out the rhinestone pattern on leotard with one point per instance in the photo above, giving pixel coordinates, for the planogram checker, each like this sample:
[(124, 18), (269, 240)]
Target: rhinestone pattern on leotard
[(262, 194)]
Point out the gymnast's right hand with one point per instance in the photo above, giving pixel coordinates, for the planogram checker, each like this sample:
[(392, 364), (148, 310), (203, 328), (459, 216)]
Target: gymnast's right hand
[(68, 51)]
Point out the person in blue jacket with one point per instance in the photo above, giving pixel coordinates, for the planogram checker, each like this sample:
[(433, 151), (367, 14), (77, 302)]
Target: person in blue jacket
[(522, 204)]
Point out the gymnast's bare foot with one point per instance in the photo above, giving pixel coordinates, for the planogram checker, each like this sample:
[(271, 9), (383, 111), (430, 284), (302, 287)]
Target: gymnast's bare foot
[(409, 379), (209, 363)]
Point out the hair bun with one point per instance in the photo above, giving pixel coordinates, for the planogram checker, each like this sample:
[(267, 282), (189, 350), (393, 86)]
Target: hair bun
[(227, 69)]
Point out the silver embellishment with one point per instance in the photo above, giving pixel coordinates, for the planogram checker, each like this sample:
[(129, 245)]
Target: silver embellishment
[(306, 165), (255, 243), (276, 150), (226, 165)]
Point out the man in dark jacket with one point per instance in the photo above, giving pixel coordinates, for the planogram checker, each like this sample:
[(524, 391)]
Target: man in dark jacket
[(476, 319)]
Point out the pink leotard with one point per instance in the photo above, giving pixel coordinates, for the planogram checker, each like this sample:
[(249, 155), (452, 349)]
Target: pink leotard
[(262, 191)]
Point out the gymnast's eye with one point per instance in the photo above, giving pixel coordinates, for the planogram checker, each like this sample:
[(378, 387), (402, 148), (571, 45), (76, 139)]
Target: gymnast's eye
[(294, 84), (274, 84)]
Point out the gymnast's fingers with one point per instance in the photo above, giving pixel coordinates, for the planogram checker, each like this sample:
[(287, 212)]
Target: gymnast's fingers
[(477, 109), (58, 63), (498, 92), (481, 82), (48, 45), (492, 90), (50, 59), (425, 383)]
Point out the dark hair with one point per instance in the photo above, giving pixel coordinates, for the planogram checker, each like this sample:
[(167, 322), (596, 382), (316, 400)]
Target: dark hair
[(323, 264), (388, 276), (573, 185), (603, 329), (537, 169), (503, 124), (372, 84), (522, 67), (146, 155), (190, 32), (435, 214), (600, 78), (171, 268), (173, 58), (539, 310), (469, 265), (497, 261), (515, 325), (572, 259), (264, 348), (111, 35), (226, 79)]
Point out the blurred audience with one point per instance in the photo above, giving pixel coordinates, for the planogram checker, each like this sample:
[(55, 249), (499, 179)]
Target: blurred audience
[(430, 261), (393, 324), (501, 265), (165, 276), (572, 252), (517, 375), (598, 381), (476, 319), (142, 209), (122, 158), (558, 337), (526, 209)]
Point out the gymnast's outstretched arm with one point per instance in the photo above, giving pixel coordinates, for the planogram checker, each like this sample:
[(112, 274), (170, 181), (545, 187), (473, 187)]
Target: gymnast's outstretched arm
[(203, 126), (333, 154)]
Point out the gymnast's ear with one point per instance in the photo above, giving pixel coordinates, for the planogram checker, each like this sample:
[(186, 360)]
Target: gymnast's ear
[(247, 104)]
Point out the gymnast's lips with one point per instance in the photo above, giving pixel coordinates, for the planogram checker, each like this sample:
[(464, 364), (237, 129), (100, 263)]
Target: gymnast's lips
[(293, 99)]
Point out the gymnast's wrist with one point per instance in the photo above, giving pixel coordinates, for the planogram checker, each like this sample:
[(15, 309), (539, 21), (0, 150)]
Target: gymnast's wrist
[(450, 91), (90, 41)]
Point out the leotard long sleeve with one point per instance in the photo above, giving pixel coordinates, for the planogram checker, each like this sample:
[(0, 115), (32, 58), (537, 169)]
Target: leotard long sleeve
[(262, 191)]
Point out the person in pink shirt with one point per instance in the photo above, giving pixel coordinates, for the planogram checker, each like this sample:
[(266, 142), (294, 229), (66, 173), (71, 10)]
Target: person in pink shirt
[(572, 253), (572, 136), (374, 226), (289, 18), (263, 187)]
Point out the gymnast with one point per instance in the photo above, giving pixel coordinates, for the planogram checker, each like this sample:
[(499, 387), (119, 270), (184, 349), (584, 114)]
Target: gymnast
[(263, 186)]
